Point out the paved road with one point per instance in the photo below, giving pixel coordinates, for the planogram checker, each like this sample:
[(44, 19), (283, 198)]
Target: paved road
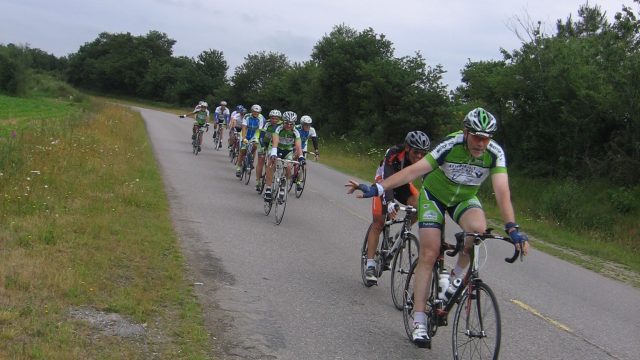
[(294, 291)]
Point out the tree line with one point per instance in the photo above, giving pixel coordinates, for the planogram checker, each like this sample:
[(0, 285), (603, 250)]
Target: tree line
[(567, 103)]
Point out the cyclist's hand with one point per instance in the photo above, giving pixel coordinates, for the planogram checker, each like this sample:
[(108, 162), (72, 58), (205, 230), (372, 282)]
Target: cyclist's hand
[(520, 240), (367, 191), (245, 141), (391, 209), (302, 161), (274, 153)]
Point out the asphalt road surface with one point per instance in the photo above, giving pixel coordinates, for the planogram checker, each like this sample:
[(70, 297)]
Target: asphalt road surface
[(294, 291)]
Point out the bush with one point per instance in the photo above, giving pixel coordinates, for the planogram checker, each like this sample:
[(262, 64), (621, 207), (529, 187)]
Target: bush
[(12, 76)]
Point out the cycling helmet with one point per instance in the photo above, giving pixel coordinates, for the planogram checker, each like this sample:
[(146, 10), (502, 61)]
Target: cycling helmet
[(275, 113), (241, 109), (256, 108), (480, 122), (203, 104), (417, 140), (289, 117), (223, 103), (305, 119)]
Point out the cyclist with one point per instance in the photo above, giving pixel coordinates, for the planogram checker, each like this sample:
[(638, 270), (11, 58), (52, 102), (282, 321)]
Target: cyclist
[(275, 120), (307, 131), (251, 125), (454, 170), (201, 113), (221, 116), (235, 123), (285, 142), (415, 146)]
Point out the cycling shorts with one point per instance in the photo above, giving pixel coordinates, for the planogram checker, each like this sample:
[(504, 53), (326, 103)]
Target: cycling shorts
[(431, 211), (285, 154), (401, 194)]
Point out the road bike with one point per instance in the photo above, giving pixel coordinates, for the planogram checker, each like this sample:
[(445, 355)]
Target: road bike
[(263, 176), (476, 324), (279, 190), (247, 164), (298, 179), (217, 139), (196, 142), (395, 253)]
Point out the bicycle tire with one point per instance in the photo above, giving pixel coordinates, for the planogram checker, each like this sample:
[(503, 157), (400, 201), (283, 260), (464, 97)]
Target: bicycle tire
[(409, 305), (248, 162), (281, 205), (377, 257), (400, 267), (476, 328), (263, 177), (302, 172)]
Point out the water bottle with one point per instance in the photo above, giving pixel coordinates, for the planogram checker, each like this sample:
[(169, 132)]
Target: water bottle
[(453, 287), (443, 283)]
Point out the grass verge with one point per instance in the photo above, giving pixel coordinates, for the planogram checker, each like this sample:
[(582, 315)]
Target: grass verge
[(85, 226)]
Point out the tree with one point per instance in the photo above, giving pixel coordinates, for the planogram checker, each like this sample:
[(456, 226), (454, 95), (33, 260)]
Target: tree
[(251, 78)]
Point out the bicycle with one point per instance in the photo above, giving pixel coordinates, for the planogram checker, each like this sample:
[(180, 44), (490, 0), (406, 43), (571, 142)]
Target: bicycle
[(196, 142), (393, 253), (476, 324), (279, 190), (247, 165)]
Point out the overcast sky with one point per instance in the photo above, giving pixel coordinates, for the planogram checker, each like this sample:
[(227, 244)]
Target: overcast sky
[(446, 32)]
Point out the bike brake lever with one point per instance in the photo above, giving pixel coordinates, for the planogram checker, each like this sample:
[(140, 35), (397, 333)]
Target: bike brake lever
[(514, 257)]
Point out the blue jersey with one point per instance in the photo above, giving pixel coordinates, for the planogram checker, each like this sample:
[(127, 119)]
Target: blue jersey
[(253, 124)]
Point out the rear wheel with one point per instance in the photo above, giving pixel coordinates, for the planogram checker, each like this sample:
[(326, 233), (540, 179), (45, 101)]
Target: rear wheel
[(407, 253), (432, 302), (363, 258), (476, 326)]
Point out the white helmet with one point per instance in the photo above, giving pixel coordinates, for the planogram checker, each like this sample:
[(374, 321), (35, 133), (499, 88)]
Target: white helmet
[(305, 119), (275, 113), (289, 117), (203, 104), (223, 103), (256, 108)]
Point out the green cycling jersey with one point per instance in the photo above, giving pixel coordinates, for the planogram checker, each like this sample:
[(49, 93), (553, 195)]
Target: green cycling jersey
[(202, 117), (287, 137), (457, 175)]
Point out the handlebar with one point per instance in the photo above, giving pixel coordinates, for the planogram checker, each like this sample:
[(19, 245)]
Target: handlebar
[(409, 210), (454, 249)]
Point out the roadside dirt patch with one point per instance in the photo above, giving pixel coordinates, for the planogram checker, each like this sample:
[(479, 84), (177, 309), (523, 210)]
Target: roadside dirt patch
[(109, 324)]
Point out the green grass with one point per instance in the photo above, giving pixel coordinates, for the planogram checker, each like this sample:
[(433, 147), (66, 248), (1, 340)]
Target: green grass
[(85, 224), (579, 222)]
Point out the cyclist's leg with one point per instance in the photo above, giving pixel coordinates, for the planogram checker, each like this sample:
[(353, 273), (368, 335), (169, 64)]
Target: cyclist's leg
[(378, 214), (243, 151), (194, 128), (470, 216), (261, 155)]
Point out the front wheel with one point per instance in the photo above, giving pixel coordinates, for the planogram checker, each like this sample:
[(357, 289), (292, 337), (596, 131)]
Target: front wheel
[(248, 164), (476, 326), (302, 179), (407, 253), (281, 200)]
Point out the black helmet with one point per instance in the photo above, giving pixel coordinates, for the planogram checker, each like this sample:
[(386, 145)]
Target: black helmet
[(417, 140)]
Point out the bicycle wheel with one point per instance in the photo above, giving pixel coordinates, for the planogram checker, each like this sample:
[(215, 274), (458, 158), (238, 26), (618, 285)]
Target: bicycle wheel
[(263, 177), (363, 258), (294, 176), (268, 204), (476, 325), (302, 179), (281, 200), (409, 302), (407, 253), (248, 164)]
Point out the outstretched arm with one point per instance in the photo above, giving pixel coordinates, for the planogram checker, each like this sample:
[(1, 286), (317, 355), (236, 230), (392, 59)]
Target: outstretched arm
[(500, 182), (402, 177)]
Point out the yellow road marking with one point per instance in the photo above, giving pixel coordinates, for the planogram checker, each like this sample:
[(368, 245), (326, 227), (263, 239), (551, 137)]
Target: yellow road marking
[(535, 312)]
